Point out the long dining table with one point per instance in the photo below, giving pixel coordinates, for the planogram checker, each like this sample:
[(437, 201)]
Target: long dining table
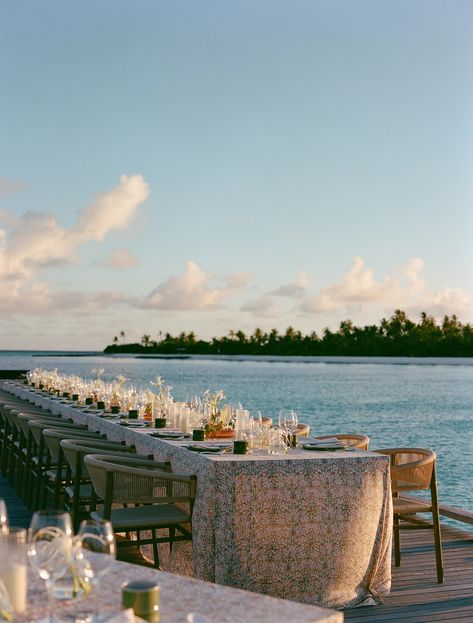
[(314, 527)]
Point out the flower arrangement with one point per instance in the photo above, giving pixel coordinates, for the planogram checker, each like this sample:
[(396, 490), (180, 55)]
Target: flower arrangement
[(219, 416)]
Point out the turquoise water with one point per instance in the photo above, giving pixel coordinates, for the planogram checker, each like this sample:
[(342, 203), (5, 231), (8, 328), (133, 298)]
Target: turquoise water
[(395, 405)]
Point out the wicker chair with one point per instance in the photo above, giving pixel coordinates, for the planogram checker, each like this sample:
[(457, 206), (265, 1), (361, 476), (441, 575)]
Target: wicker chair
[(361, 442), (413, 469), (57, 471), (15, 441), (267, 421), (40, 457), (303, 430), (79, 493), (166, 500)]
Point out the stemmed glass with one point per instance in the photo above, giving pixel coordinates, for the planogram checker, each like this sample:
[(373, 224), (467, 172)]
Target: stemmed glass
[(53, 555), (288, 421)]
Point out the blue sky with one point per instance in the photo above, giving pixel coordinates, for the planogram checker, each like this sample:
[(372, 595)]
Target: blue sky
[(214, 165)]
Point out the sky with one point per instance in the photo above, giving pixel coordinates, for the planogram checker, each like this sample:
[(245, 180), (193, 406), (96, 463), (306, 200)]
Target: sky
[(204, 166)]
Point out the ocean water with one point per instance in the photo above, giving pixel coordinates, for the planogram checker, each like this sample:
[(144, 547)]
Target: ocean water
[(395, 404)]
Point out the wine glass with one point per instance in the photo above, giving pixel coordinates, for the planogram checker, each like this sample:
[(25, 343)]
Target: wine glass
[(98, 548), (288, 421), (52, 555)]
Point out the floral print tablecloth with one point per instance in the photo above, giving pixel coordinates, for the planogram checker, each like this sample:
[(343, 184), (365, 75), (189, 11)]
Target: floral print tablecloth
[(314, 527)]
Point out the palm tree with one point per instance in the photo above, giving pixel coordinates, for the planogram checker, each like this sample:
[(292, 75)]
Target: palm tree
[(122, 335), (145, 340)]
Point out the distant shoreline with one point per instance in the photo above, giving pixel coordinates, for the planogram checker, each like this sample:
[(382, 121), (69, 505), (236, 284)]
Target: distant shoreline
[(322, 359)]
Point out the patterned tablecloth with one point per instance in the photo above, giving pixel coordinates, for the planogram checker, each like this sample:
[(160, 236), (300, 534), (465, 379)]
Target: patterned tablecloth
[(179, 596), (314, 527)]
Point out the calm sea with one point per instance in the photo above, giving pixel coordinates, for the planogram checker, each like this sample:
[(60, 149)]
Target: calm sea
[(427, 404)]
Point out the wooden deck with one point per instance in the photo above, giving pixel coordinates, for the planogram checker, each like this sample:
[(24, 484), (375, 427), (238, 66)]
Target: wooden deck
[(415, 596)]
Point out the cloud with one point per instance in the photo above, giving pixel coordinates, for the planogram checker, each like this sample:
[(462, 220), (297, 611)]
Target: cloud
[(191, 291), (111, 210), (358, 286), (39, 299), (359, 291), (36, 240), (8, 186), (119, 259), (293, 290), (262, 306)]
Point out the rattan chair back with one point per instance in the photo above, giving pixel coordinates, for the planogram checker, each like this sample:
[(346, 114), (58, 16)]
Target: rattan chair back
[(411, 468), (138, 481), (303, 430)]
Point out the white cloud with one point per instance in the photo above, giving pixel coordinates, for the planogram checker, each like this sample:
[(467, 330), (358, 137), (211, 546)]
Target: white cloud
[(191, 291), (120, 259), (293, 290), (359, 291), (357, 287), (8, 186), (39, 299), (111, 210), (36, 240)]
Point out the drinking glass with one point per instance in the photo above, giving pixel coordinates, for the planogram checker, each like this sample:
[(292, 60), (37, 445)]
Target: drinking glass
[(288, 421), (3, 517), (54, 556), (277, 442), (13, 570), (98, 548)]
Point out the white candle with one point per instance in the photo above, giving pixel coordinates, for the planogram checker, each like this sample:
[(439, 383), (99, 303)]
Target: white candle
[(14, 576)]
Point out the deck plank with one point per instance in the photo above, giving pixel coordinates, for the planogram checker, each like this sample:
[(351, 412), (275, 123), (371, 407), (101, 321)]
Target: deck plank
[(415, 596)]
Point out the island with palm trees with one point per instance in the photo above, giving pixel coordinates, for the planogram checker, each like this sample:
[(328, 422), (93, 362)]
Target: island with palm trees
[(397, 336)]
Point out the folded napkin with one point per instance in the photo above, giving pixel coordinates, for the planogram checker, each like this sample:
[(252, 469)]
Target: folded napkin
[(134, 423), (170, 435), (332, 441), (213, 449)]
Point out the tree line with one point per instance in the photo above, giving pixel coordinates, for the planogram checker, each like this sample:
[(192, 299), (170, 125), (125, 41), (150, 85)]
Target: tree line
[(395, 336)]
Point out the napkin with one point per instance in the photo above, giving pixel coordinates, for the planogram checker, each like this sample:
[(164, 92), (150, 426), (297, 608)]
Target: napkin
[(170, 435), (209, 449), (332, 441)]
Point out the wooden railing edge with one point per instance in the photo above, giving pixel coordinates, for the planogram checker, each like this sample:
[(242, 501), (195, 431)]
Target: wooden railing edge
[(458, 514)]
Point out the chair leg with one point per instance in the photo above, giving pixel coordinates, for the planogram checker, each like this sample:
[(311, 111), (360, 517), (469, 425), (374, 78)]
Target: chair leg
[(155, 550), (436, 527), (397, 541), (438, 547)]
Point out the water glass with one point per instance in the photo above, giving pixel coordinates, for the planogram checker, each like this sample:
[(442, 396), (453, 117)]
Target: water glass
[(98, 548), (3, 517), (13, 570), (277, 442)]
